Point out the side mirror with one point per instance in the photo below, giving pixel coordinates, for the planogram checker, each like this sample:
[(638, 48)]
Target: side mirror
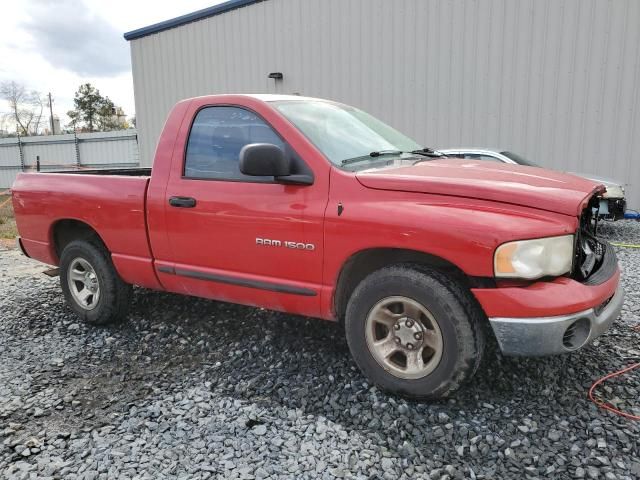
[(264, 159)]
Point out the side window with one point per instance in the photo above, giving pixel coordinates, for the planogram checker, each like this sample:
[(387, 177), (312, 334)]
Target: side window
[(217, 136)]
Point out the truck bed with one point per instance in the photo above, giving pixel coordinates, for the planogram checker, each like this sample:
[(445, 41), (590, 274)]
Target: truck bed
[(111, 202)]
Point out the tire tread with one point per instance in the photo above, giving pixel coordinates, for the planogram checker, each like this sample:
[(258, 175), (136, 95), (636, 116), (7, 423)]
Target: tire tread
[(116, 295), (471, 334)]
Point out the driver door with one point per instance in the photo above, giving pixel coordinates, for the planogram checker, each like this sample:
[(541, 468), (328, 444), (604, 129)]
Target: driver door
[(241, 238)]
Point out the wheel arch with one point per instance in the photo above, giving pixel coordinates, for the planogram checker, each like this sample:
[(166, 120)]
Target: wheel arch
[(65, 231), (361, 264)]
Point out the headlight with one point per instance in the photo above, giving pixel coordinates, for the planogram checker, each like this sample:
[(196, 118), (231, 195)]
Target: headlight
[(531, 259)]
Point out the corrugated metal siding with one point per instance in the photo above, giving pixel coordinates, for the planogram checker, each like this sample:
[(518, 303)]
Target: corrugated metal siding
[(109, 149), (52, 150), (555, 80), (58, 152), (9, 162), (9, 153)]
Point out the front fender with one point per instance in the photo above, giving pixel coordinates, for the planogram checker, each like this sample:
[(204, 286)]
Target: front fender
[(462, 231)]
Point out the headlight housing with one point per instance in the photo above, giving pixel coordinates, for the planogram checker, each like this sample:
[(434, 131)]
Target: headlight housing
[(531, 259)]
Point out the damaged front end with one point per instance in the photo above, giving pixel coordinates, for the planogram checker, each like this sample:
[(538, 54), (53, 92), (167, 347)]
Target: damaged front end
[(595, 271), (595, 259)]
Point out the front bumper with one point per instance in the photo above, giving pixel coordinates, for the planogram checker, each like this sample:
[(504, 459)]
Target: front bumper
[(540, 336)]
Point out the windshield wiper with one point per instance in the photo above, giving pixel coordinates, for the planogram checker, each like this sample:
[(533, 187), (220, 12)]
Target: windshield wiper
[(428, 152), (379, 153), (385, 152)]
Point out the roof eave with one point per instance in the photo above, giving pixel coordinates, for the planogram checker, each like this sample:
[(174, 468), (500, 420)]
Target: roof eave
[(189, 18)]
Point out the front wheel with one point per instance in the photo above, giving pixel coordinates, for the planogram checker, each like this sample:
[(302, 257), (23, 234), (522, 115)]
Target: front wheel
[(91, 285), (414, 331)]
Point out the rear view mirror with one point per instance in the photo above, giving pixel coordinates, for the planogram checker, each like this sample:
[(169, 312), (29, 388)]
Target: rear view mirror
[(264, 159)]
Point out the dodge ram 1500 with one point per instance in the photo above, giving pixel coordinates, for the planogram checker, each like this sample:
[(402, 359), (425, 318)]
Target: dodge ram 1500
[(316, 208)]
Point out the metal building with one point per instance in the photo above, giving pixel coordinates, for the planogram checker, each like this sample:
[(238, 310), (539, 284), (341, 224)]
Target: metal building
[(555, 80)]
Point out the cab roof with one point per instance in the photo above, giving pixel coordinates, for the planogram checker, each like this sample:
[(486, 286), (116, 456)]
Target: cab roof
[(267, 97)]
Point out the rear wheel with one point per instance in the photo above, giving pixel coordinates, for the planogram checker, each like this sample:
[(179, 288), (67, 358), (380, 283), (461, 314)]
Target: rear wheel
[(414, 331), (91, 284)]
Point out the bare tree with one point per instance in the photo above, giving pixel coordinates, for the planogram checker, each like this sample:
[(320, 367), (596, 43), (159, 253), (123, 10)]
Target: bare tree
[(3, 125), (26, 107), (39, 104)]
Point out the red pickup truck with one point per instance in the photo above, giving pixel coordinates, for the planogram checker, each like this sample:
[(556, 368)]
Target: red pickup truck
[(316, 208)]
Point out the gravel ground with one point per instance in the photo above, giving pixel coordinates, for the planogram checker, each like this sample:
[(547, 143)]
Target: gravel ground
[(189, 388)]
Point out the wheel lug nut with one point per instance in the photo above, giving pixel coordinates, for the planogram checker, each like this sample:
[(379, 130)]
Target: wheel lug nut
[(397, 340), (409, 323), (396, 326), (410, 346), (417, 335)]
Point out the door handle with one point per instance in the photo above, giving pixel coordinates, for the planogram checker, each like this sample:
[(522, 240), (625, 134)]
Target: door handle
[(182, 202)]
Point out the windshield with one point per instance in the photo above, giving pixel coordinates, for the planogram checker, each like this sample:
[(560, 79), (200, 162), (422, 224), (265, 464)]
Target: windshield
[(520, 160), (342, 132)]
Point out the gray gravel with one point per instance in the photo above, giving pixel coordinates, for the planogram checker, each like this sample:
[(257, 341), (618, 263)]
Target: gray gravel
[(189, 388)]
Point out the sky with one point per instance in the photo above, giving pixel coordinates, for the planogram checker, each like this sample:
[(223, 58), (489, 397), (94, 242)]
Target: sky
[(57, 45)]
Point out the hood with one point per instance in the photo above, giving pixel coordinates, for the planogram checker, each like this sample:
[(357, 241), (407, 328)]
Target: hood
[(614, 188), (515, 184), (597, 178)]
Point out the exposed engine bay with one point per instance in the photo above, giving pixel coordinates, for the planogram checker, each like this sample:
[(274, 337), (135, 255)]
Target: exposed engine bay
[(589, 251)]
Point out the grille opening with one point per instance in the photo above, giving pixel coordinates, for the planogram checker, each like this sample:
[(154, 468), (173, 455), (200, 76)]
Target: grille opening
[(576, 334)]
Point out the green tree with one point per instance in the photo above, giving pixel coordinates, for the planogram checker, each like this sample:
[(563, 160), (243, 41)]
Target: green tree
[(106, 119), (92, 111)]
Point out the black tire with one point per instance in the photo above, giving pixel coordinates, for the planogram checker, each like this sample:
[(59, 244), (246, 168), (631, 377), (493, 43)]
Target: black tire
[(115, 295), (458, 316)]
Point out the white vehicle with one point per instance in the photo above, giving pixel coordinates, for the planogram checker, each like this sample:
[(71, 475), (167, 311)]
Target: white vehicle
[(612, 205)]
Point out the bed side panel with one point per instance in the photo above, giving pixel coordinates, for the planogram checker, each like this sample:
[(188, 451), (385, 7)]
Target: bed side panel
[(114, 206)]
